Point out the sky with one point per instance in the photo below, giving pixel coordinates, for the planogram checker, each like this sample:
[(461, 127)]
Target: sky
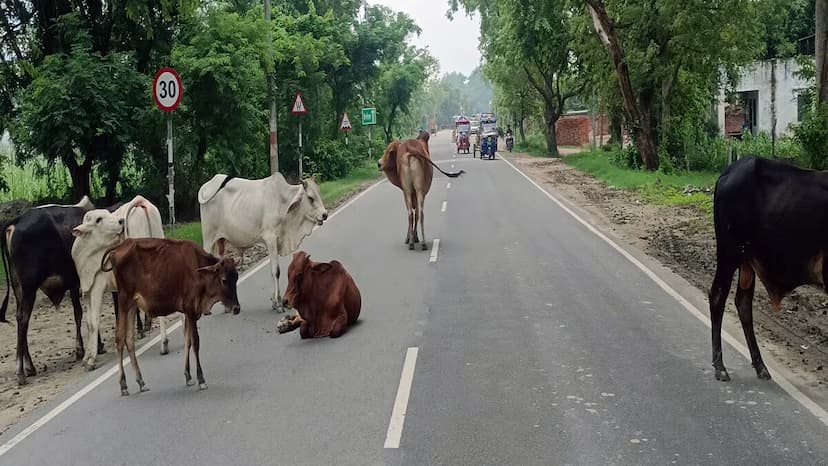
[(453, 43)]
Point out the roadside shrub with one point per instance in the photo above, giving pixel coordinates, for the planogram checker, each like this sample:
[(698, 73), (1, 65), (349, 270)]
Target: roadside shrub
[(813, 135), (627, 157)]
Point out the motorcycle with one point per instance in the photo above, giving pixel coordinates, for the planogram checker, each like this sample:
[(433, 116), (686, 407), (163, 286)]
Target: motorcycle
[(510, 141)]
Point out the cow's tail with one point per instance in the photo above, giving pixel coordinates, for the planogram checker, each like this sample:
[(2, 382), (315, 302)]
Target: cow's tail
[(108, 259), (448, 174), (202, 200), (4, 251)]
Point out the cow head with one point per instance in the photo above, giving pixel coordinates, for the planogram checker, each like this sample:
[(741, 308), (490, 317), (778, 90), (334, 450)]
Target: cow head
[(388, 161), (309, 202), (222, 278), (100, 226)]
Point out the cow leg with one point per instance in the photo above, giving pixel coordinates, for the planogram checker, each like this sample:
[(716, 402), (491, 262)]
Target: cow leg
[(140, 326), (130, 344), (94, 302), (339, 324), (412, 232), (744, 304), (276, 273), (717, 298), (202, 385), (78, 310), (289, 323), (24, 313), (188, 340), (121, 323), (165, 342), (421, 212)]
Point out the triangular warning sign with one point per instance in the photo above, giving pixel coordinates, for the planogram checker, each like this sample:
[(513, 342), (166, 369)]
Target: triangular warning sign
[(298, 106), (346, 123)]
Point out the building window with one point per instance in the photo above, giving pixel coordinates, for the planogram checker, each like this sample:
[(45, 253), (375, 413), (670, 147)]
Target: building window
[(803, 104)]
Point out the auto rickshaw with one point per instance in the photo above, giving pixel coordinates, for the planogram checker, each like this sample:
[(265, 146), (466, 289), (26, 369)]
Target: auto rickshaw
[(462, 128), (488, 139)]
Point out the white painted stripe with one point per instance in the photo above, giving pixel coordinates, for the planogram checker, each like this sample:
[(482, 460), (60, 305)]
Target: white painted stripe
[(786, 385), (114, 369), (435, 249), (452, 165), (443, 209), (448, 186), (395, 426)]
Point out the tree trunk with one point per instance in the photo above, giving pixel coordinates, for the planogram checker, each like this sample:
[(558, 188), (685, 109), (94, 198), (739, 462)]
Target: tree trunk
[(822, 51), (641, 123), (522, 130), (80, 178), (550, 116), (388, 131), (616, 120)]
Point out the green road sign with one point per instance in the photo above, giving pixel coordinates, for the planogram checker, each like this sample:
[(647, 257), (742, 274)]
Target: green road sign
[(369, 116)]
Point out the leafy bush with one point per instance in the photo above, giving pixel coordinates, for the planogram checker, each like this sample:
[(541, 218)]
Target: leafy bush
[(813, 135)]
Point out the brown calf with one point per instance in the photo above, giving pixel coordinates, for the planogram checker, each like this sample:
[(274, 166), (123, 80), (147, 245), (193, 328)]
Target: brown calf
[(162, 276), (325, 296)]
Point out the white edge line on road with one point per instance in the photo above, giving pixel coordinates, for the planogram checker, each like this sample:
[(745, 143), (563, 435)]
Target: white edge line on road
[(786, 385), (435, 249), (395, 426), (112, 370), (448, 185), (443, 208)]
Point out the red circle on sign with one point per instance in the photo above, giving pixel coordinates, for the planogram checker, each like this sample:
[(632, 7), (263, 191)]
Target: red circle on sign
[(178, 94)]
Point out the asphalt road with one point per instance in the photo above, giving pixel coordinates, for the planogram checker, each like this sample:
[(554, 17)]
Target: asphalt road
[(537, 343)]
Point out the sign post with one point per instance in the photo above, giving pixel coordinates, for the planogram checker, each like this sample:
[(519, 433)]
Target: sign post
[(369, 118), (345, 125), (299, 108), (167, 90)]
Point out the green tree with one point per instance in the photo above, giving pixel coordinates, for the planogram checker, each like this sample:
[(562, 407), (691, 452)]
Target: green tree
[(399, 80), (79, 109)]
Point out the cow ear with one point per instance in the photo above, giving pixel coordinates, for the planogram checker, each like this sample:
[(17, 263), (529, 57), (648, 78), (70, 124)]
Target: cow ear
[(297, 199), (208, 269), (322, 267)]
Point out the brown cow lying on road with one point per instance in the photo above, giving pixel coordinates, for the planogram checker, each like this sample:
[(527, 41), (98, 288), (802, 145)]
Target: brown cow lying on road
[(325, 296), (408, 166), (162, 276)]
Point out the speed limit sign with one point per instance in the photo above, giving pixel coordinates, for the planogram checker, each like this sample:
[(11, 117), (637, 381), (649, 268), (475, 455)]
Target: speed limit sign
[(167, 89)]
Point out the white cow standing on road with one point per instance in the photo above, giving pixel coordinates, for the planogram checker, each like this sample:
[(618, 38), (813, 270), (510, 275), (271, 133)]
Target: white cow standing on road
[(100, 229), (269, 211)]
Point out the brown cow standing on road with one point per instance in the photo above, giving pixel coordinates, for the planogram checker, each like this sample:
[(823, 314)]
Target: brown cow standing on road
[(325, 296), (162, 276), (408, 166)]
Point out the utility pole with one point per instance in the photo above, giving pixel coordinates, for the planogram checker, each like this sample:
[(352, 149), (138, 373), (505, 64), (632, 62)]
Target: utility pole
[(271, 94)]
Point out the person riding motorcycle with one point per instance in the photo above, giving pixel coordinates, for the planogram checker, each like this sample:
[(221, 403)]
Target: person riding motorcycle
[(510, 138)]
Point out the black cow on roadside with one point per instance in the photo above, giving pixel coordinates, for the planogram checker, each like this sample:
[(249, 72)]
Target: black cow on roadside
[(771, 220), (36, 250)]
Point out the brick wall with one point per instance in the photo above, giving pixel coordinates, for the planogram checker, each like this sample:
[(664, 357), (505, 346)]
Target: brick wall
[(576, 130)]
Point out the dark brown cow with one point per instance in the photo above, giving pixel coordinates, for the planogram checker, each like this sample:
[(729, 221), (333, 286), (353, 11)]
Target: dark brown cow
[(769, 218), (325, 296), (162, 276)]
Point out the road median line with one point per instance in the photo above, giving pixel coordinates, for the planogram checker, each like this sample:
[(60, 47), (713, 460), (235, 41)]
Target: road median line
[(395, 426), (435, 249)]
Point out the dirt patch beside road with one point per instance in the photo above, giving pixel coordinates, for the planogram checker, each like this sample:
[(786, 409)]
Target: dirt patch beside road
[(682, 239)]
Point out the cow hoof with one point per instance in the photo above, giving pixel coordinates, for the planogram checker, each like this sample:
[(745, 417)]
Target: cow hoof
[(21, 381), (101, 350), (722, 375), (190, 383), (278, 307), (143, 388), (425, 246), (124, 392), (89, 366), (202, 386), (411, 246), (165, 348), (762, 372)]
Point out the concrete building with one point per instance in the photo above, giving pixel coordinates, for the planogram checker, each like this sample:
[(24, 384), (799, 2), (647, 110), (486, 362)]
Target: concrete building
[(768, 96)]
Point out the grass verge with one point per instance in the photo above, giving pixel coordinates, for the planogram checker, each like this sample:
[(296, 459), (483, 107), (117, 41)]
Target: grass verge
[(656, 187), (332, 193)]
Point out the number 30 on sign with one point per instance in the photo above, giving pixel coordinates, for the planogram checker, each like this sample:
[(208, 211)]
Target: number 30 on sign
[(167, 89)]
